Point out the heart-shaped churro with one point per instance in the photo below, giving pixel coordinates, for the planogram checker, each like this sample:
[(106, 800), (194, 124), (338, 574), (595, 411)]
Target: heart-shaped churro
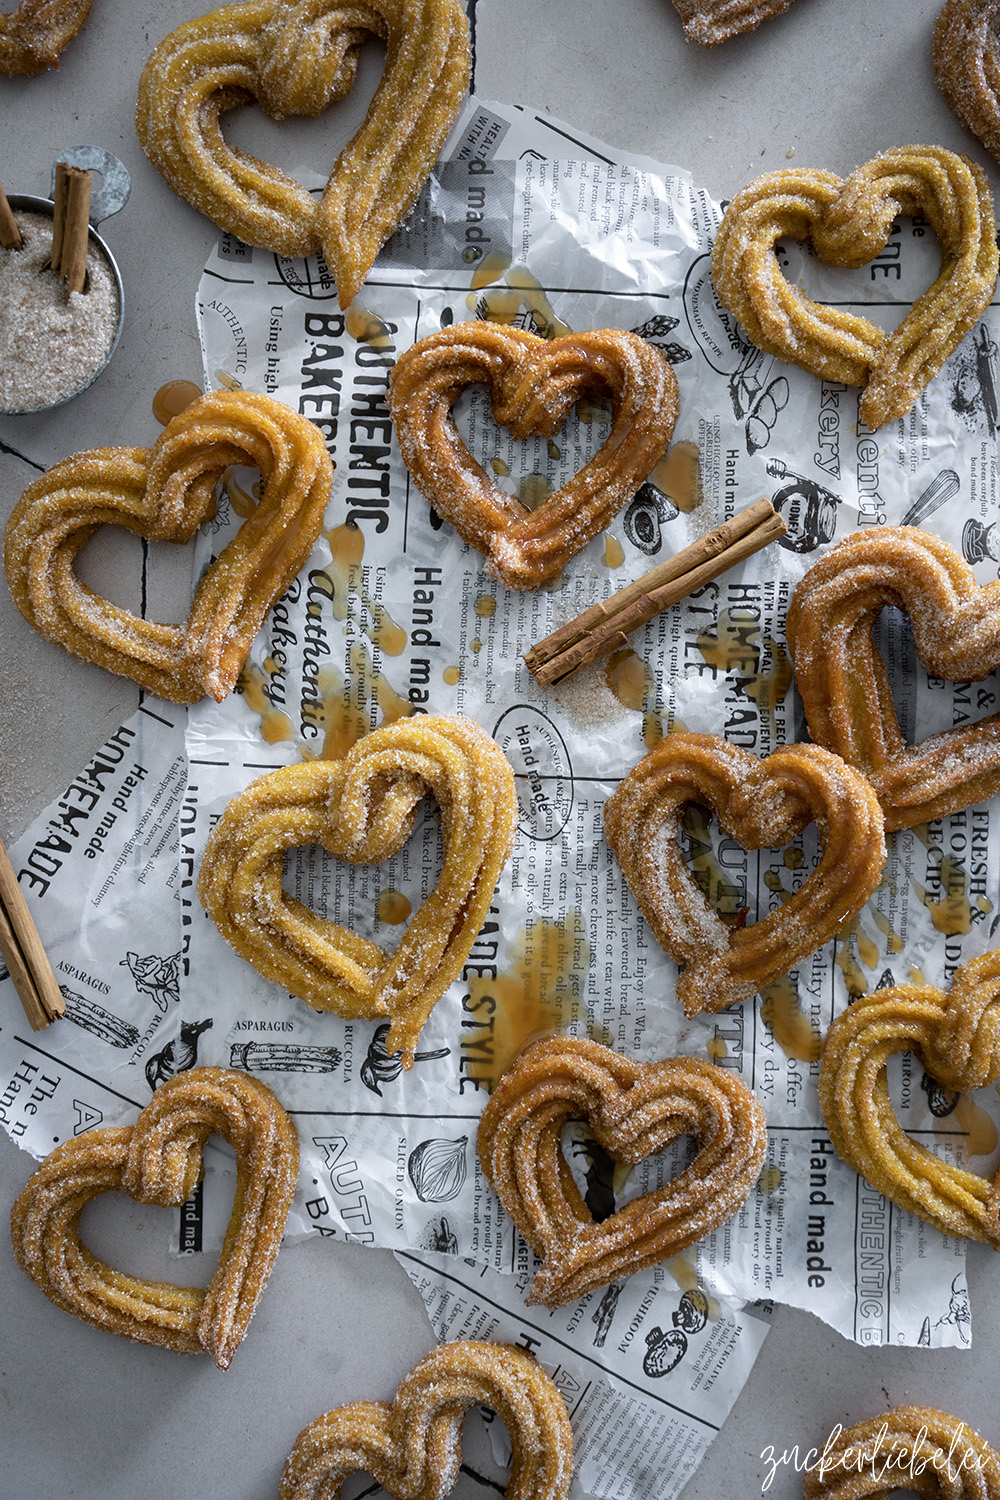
[(710, 21), (759, 804), (848, 221), (967, 65), (412, 1446), (362, 809), (956, 1036), (295, 57), (634, 1110), (533, 383), (159, 1160), (845, 688), (163, 493)]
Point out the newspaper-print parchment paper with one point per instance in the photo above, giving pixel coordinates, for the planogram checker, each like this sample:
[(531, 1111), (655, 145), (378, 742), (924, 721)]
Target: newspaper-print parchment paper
[(524, 222)]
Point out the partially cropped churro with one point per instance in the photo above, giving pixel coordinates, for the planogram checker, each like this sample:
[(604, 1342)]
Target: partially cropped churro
[(533, 384), (634, 1110), (909, 1449), (412, 1446), (711, 21), (362, 809), (845, 688), (295, 57), (761, 804), (34, 33), (163, 493), (967, 65), (848, 221), (956, 1036), (159, 1160)]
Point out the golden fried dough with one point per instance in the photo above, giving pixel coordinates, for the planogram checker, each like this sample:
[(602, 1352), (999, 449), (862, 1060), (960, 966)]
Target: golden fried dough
[(412, 1446), (956, 1036), (164, 493), (910, 1449), (848, 222), (761, 804), (634, 1110), (842, 679), (533, 384), (362, 809), (967, 65), (294, 57), (159, 1160), (33, 34)]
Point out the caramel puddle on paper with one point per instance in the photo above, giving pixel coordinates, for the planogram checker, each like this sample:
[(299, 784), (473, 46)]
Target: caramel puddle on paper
[(504, 304), (275, 725), (500, 466), (847, 960), (452, 675), (539, 994), (366, 327), (770, 1179), (952, 913), (173, 398), (344, 711), (733, 647), (392, 907), (485, 606), (347, 547), (717, 1048), (782, 1014), (614, 552), (533, 489), (629, 679), (979, 1126), (678, 475)]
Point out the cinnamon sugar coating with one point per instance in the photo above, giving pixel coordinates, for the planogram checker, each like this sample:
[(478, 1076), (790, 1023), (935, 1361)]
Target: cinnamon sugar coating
[(362, 809), (164, 493), (412, 1446), (533, 384), (295, 57), (159, 1160), (848, 222), (711, 21), (842, 679), (33, 34), (967, 66), (634, 1110), (956, 1037), (760, 804), (910, 1449)]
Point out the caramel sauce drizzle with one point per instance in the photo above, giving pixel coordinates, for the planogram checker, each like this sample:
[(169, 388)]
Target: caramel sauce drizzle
[(678, 475), (173, 398), (782, 1014)]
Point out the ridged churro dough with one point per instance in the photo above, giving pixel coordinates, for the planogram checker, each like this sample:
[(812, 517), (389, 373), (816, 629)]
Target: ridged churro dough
[(956, 1037), (295, 57), (967, 65), (362, 809), (163, 493), (848, 220), (36, 31), (533, 384), (710, 21), (412, 1446), (842, 679), (159, 1160), (912, 1449), (761, 804), (634, 1110)]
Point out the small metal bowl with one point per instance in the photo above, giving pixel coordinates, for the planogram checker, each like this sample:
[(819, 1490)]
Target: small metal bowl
[(106, 200)]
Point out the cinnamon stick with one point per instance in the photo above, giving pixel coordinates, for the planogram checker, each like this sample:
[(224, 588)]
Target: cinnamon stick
[(58, 213), (72, 265), (10, 235), (23, 953), (606, 626)]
